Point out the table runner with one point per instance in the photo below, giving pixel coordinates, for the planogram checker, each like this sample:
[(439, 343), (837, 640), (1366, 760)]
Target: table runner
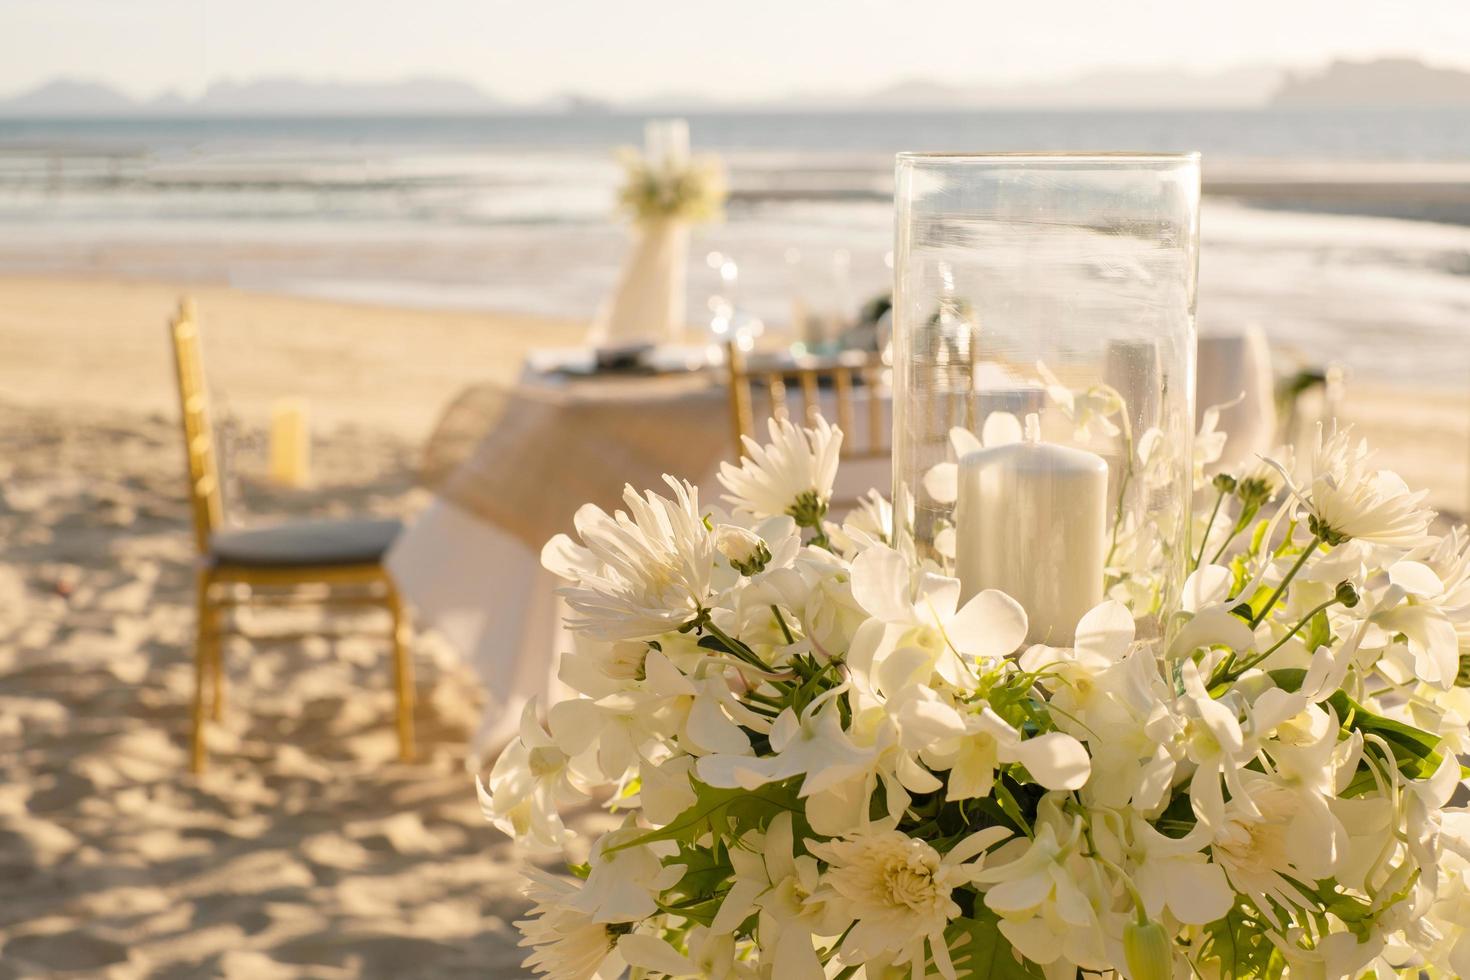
[(526, 457)]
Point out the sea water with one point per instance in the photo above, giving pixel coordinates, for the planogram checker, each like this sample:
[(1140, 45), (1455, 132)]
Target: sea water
[(514, 212)]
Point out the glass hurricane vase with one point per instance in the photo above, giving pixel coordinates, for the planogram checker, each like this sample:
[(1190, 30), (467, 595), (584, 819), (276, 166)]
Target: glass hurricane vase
[(1044, 349)]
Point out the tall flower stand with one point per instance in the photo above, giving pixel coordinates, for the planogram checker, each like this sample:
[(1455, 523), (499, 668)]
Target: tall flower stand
[(649, 301)]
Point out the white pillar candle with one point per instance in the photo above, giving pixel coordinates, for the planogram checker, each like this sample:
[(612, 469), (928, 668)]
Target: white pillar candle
[(290, 443), (1031, 521)]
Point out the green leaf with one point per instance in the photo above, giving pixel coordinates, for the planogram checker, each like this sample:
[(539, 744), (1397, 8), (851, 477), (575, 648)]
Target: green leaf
[(728, 813), (1006, 800), (1238, 942), (1318, 632), (979, 951), (706, 870)]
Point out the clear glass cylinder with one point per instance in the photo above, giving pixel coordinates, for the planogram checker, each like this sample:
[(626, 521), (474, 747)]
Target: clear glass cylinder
[(1043, 355)]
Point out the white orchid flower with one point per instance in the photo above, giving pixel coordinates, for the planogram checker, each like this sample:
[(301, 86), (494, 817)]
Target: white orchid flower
[(1209, 441), (710, 956), (812, 745), (531, 780), (972, 744), (1171, 874), (1091, 407), (625, 879), (950, 636), (1049, 897), (771, 879)]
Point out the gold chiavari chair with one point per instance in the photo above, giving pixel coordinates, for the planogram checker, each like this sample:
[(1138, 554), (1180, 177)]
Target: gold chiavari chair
[(807, 377), (329, 563)]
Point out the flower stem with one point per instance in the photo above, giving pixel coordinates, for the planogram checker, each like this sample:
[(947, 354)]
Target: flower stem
[(1311, 549), (1234, 533), (1122, 486), (1233, 672), (735, 647), (1209, 526), (781, 620)]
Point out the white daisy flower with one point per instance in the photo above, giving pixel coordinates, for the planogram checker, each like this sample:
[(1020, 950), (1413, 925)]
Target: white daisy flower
[(899, 891), (638, 573), (1347, 500), (792, 474), (566, 944)]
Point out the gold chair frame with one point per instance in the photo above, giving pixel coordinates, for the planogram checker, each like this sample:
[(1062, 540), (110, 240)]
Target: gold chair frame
[(806, 376), (222, 587)]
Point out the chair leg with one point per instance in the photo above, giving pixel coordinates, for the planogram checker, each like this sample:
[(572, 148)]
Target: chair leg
[(217, 666), (402, 673), (203, 663)]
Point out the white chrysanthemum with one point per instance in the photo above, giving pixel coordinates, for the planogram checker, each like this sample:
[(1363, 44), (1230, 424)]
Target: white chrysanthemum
[(742, 548), (899, 891), (870, 523), (1348, 500), (566, 944), (637, 573), (1273, 836), (792, 474)]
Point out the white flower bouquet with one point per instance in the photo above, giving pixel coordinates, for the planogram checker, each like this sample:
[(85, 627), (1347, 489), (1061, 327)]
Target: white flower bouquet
[(829, 767), (691, 190)]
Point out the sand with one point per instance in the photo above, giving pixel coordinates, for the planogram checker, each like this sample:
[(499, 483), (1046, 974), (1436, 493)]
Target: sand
[(103, 344), (305, 850)]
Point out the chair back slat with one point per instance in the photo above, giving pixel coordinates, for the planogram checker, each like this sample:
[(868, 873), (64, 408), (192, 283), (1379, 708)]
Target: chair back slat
[(843, 379), (206, 503), (876, 443), (776, 389), (810, 400), (742, 418), (811, 376)]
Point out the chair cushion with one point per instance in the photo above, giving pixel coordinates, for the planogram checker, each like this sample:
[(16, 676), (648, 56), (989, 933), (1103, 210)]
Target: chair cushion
[(338, 542)]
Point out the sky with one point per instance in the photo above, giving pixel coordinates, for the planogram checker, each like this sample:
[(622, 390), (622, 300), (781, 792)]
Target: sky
[(523, 50)]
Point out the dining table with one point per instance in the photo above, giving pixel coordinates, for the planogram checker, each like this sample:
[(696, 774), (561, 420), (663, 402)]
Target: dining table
[(510, 464)]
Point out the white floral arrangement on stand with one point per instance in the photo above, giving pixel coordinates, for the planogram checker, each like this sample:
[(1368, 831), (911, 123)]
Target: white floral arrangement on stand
[(689, 190), (665, 192), (828, 767)]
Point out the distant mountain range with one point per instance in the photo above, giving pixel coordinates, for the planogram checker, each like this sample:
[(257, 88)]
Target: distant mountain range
[(1394, 82), (1244, 87), (1389, 83), (264, 96)]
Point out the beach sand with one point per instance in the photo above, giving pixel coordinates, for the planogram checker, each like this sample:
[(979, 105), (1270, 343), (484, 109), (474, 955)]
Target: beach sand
[(305, 850)]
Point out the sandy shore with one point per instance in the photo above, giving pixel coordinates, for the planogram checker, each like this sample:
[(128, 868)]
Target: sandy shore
[(305, 851), (103, 344)]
